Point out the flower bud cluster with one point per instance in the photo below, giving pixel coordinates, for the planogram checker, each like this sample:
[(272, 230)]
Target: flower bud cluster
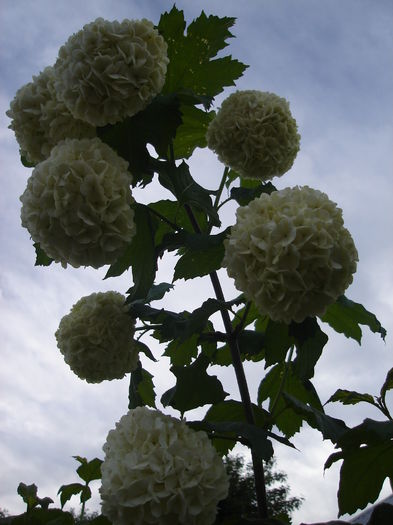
[(157, 470), (77, 204), (40, 120), (110, 70), (96, 338), (290, 253), (255, 134)]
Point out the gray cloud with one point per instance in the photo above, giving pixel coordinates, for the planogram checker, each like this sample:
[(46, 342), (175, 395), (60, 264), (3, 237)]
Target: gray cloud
[(332, 61)]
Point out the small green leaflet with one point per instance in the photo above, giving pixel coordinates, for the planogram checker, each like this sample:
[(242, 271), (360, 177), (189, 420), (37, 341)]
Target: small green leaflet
[(350, 397), (89, 470), (191, 133), (41, 258), (194, 387), (155, 125), (345, 316), (141, 391), (281, 380), (178, 180), (190, 56)]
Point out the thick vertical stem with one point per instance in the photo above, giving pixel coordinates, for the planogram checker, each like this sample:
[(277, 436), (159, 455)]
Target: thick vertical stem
[(259, 475)]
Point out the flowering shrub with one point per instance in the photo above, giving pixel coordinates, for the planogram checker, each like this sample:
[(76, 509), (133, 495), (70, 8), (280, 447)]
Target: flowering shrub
[(40, 120), (158, 470), (110, 70), (96, 338), (77, 204), (255, 134), (290, 253)]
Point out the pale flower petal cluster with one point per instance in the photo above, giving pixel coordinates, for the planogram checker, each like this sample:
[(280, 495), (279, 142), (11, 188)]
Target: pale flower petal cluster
[(77, 204), (110, 70), (96, 338), (159, 471), (255, 134), (290, 253), (40, 120)]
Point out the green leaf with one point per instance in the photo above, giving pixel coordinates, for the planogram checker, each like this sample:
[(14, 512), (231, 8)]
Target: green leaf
[(89, 470), (182, 352), (231, 410), (178, 180), (174, 212), (256, 437), (179, 326), (251, 347), (277, 342), (146, 389), (194, 387), (362, 475), (140, 255), (199, 263), (388, 383), (281, 380), (369, 432), (156, 292), (41, 258), (310, 341), (204, 255), (330, 427), (141, 347), (350, 397), (244, 196), (67, 491), (141, 391), (26, 163), (252, 315), (192, 132), (345, 316), (155, 125), (190, 66)]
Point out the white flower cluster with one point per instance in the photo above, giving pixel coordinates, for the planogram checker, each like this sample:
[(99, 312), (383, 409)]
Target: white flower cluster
[(255, 134), (96, 338), (40, 120), (290, 253), (77, 204), (110, 70), (159, 471)]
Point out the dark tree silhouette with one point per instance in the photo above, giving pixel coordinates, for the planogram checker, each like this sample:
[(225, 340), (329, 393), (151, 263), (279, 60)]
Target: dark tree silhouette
[(241, 500)]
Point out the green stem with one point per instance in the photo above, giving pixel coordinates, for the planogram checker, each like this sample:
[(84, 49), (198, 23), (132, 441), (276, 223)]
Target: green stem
[(220, 188), (147, 327), (224, 202), (259, 475), (83, 510)]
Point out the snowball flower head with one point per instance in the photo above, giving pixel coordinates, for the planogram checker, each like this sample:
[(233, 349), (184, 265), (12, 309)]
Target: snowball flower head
[(96, 338), (290, 253), (255, 134), (77, 204), (40, 120), (159, 471), (110, 70)]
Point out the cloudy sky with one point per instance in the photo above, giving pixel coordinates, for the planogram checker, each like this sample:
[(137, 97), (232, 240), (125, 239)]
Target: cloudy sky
[(333, 62)]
